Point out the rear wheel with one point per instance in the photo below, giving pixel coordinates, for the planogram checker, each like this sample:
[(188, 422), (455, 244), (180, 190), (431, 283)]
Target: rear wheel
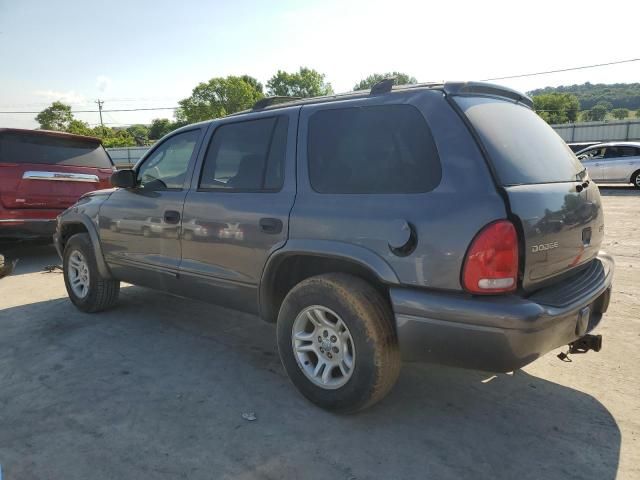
[(87, 289), (635, 179), (337, 342)]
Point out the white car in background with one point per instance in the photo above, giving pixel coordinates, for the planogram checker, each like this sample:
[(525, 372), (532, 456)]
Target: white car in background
[(612, 162)]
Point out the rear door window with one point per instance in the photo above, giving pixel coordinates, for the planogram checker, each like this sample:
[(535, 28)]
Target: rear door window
[(50, 150), (522, 147), (376, 149)]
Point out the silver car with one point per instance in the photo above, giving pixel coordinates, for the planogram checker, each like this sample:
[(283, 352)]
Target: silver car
[(613, 162)]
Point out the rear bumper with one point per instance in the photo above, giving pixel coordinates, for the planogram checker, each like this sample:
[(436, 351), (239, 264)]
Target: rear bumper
[(496, 333), (27, 223), (26, 228)]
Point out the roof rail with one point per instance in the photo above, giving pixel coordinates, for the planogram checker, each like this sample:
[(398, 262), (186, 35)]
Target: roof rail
[(268, 101), (383, 86)]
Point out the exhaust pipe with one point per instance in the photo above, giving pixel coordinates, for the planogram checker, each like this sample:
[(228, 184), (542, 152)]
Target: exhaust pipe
[(586, 343)]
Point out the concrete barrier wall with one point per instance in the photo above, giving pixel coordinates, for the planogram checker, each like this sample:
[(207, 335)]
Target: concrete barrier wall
[(599, 131)]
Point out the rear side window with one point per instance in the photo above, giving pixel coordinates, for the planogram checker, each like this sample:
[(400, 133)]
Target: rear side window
[(49, 150), (522, 147), (247, 156), (621, 151), (377, 149)]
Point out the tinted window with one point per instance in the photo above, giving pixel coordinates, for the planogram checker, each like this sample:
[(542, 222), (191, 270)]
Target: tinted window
[(523, 148), (380, 149), (621, 151), (167, 166), (246, 155), (49, 150)]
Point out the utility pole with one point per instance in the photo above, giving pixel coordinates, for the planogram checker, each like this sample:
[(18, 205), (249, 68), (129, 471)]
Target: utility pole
[(100, 103)]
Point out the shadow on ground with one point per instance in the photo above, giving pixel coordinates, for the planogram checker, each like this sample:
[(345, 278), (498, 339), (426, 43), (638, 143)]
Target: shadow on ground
[(32, 256), (156, 387), (618, 190)]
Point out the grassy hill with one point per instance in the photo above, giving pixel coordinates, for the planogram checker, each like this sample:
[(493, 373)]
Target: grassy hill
[(620, 95)]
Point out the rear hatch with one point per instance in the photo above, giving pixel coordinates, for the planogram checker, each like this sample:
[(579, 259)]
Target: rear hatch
[(49, 170), (552, 201)]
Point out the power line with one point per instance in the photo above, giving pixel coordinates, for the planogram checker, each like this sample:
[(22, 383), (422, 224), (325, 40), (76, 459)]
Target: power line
[(562, 70), (106, 111), (147, 109)]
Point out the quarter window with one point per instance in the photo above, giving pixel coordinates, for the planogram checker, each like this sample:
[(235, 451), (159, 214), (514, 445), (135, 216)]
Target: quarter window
[(246, 156), (167, 166), (377, 149)]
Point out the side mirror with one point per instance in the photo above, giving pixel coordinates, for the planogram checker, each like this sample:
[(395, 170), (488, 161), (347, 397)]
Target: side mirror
[(124, 179)]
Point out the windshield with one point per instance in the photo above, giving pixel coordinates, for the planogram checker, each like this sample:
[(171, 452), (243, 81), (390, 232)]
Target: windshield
[(523, 148)]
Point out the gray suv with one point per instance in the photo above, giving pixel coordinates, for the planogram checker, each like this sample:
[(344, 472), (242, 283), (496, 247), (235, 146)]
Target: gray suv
[(445, 223)]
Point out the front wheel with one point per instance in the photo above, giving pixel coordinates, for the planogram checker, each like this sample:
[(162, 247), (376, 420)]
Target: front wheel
[(635, 179), (337, 342), (87, 289)]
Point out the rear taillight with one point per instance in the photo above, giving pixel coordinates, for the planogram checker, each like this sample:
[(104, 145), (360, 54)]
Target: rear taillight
[(491, 265)]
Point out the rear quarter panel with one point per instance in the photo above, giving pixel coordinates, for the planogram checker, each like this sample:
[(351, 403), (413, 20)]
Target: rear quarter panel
[(445, 219)]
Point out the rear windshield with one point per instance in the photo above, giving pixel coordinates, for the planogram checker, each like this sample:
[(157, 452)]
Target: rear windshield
[(44, 149), (522, 147)]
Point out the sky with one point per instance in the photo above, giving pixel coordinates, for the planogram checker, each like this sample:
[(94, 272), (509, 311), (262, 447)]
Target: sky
[(147, 54)]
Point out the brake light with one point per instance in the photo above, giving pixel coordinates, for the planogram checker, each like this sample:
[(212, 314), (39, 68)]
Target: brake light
[(491, 265)]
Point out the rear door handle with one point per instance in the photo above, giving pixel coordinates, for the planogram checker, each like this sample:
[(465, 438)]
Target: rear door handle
[(171, 216), (270, 225)]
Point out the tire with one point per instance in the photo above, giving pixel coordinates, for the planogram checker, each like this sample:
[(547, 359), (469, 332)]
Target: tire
[(635, 179), (146, 232), (99, 293), (353, 310)]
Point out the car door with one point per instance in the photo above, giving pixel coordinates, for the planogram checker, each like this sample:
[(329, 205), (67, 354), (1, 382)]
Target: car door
[(592, 160), (620, 166), (237, 211), (609, 162), (139, 227)]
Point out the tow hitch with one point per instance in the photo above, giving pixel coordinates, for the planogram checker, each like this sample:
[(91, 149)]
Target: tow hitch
[(582, 345)]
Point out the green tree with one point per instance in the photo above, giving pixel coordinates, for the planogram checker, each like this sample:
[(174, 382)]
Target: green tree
[(219, 97), (159, 128), (79, 128), (56, 117), (253, 82), (557, 107), (371, 80), (140, 133), (304, 83), (620, 113), (638, 113), (598, 112), (114, 137)]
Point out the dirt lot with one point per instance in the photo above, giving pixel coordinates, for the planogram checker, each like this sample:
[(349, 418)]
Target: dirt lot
[(157, 387)]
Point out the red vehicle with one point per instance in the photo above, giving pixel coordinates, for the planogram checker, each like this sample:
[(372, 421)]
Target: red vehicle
[(42, 173)]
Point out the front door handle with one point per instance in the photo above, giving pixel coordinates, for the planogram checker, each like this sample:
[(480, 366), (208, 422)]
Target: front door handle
[(171, 216), (270, 225)]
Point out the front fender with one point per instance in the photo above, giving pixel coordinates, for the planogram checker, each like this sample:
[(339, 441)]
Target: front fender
[(75, 217)]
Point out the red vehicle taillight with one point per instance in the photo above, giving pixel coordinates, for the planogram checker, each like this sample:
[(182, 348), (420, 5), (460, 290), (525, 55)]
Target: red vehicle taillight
[(491, 265)]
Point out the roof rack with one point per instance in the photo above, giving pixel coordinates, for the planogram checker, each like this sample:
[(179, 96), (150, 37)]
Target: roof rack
[(383, 86), (268, 101)]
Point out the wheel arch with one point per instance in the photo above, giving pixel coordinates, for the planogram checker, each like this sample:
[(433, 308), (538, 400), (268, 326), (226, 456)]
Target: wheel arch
[(299, 260), (73, 223)]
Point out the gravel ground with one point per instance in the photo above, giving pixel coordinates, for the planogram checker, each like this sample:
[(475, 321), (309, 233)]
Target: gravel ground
[(157, 387)]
